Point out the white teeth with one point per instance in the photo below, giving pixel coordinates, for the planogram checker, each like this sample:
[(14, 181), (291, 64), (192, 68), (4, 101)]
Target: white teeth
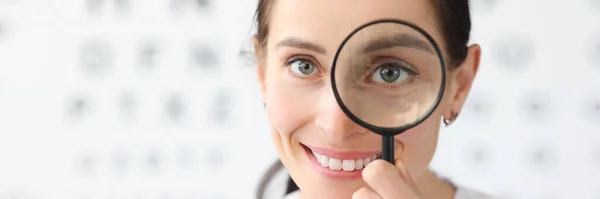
[(367, 161), (335, 164), (324, 160), (346, 165), (358, 164)]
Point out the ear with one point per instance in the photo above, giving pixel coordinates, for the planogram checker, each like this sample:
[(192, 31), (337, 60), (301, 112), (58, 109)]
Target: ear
[(463, 80), (260, 62)]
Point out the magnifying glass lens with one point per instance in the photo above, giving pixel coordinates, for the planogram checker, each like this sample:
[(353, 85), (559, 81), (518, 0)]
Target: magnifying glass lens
[(388, 76)]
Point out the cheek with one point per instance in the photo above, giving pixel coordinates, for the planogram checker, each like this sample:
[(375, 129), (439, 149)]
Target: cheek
[(282, 117), (420, 144), (421, 133), (288, 109)]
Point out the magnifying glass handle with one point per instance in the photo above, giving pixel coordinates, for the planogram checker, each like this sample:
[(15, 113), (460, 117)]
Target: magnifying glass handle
[(387, 152)]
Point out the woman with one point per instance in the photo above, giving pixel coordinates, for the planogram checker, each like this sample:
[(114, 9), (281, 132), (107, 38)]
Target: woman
[(294, 49)]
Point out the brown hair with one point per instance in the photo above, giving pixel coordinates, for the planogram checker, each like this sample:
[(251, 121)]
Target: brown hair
[(453, 15), (454, 21)]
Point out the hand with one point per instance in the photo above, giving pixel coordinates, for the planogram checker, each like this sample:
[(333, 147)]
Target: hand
[(387, 181)]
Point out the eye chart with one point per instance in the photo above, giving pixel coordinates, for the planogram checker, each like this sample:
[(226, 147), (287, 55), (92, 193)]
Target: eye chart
[(128, 99)]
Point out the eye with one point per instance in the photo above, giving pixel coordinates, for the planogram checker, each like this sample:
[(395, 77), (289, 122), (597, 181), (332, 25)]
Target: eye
[(391, 72), (303, 67)]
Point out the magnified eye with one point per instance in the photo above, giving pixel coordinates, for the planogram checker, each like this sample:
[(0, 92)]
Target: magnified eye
[(391, 72), (303, 67)]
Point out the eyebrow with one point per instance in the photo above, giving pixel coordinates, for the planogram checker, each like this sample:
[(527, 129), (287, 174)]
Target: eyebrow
[(399, 40), (295, 42)]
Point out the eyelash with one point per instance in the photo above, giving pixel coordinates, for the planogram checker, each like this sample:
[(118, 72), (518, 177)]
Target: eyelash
[(405, 66), (287, 63)]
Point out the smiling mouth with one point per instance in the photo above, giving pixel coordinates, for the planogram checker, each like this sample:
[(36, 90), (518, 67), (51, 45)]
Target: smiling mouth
[(342, 161)]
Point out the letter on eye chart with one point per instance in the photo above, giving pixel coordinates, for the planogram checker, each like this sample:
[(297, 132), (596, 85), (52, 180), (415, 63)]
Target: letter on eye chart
[(1, 31), (513, 52), (147, 56), (221, 108), (78, 107), (98, 6), (203, 57), (175, 108), (200, 5), (96, 58)]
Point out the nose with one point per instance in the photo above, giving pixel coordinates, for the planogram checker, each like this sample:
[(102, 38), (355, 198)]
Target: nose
[(333, 121)]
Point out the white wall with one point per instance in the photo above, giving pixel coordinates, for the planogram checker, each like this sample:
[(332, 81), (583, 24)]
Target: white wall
[(123, 143)]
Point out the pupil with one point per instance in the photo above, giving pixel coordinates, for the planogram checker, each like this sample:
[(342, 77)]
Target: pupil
[(305, 68), (390, 74)]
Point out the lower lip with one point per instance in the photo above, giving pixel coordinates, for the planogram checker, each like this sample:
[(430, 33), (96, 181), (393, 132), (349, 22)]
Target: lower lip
[(341, 174)]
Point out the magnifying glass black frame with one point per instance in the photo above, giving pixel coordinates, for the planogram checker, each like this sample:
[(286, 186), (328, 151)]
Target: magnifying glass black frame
[(388, 133)]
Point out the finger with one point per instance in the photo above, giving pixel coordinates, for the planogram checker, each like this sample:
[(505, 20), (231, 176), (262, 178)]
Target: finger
[(365, 193), (385, 179)]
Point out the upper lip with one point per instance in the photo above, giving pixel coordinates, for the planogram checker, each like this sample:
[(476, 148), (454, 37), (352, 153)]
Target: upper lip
[(343, 155)]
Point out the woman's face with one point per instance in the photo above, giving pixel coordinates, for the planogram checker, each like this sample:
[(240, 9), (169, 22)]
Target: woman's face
[(303, 113)]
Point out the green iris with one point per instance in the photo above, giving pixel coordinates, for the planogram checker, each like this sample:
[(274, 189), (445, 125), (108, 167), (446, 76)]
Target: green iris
[(305, 67), (390, 73)]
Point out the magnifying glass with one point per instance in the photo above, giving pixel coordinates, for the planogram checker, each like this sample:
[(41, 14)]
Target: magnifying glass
[(388, 76)]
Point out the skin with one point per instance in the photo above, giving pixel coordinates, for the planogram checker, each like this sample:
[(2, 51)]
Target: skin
[(302, 108)]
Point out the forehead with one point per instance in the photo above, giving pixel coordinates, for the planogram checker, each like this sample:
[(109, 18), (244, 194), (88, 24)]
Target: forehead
[(328, 22)]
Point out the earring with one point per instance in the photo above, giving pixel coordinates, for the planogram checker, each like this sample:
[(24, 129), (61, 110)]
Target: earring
[(447, 121), (265, 105)]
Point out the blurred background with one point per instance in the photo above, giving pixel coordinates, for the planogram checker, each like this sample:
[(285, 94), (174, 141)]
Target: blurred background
[(132, 99)]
